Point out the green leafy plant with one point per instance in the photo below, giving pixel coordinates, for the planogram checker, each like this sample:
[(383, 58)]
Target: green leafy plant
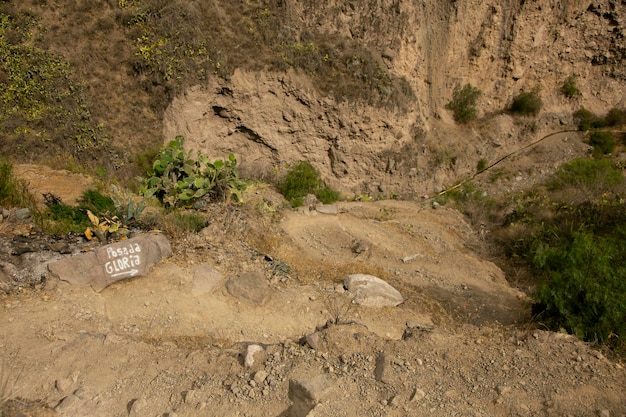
[(66, 219), (96, 215), (463, 103), (179, 180), (129, 211), (527, 103), (569, 87), (104, 227), (303, 179), (96, 201)]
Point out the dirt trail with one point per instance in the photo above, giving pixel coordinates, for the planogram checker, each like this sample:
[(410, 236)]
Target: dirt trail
[(418, 248), (150, 346)]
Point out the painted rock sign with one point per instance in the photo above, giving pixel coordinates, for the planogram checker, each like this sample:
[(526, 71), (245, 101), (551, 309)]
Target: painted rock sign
[(123, 261), (113, 262)]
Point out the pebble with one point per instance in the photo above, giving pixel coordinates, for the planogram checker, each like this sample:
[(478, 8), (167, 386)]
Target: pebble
[(63, 385), (312, 340), (418, 395), (68, 403), (503, 389), (190, 396), (23, 213), (251, 351), (259, 377), (396, 401), (136, 406)]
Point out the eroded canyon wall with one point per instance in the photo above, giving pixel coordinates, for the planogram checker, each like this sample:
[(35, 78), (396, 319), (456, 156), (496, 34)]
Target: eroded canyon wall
[(270, 120)]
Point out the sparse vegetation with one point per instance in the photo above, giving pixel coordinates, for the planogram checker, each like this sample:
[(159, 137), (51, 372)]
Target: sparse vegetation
[(41, 102), (472, 201), (338, 305), (587, 120), (178, 46), (189, 222), (573, 239), (303, 179), (527, 103), (13, 192), (463, 103)]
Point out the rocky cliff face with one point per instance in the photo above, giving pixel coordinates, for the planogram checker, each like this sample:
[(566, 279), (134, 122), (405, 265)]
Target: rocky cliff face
[(270, 120)]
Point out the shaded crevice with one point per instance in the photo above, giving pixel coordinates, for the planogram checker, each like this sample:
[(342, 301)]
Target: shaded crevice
[(255, 137)]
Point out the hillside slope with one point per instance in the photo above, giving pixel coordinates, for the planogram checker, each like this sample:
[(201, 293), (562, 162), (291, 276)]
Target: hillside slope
[(358, 88)]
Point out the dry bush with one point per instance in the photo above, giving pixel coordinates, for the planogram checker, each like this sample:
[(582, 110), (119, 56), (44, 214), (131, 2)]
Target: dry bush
[(339, 305), (8, 383)]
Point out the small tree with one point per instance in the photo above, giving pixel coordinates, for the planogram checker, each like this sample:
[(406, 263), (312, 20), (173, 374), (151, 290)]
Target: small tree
[(463, 103)]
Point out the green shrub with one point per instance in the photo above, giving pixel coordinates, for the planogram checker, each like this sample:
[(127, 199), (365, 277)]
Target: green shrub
[(179, 180), (585, 119), (482, 165), (303, 179), (586, 172), (616, 117), (527, 103), (67, 219), (101, 214), (584, 290), (569, 87), (603, 143), (463, 103)]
